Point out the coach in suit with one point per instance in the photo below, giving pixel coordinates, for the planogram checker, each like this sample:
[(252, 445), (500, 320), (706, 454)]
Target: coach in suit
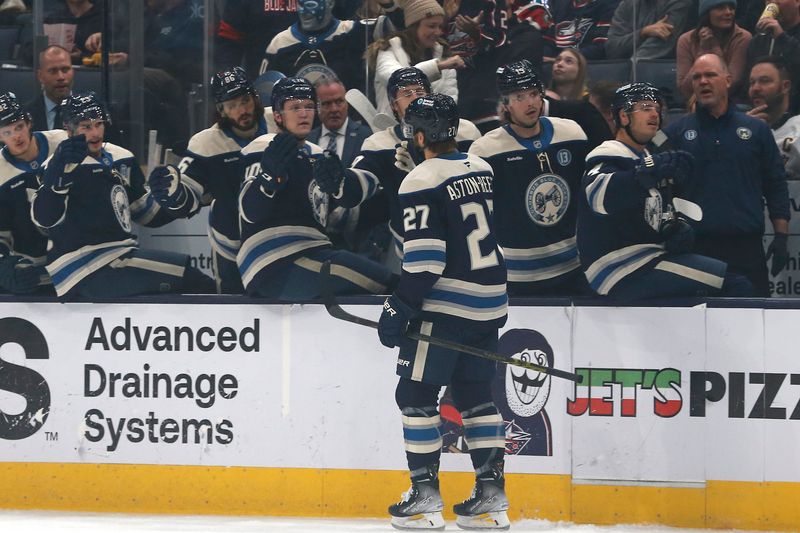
[(56, 76), (337, 133)]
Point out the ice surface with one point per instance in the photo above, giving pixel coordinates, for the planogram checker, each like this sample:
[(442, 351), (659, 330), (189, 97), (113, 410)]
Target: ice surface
[(50, 522)]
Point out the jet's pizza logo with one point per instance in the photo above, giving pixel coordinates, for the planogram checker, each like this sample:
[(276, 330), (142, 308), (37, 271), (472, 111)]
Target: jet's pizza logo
[(594, 394), (22, 380)]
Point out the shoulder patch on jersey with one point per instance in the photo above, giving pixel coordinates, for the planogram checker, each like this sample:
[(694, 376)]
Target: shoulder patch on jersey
[(611, 149), (496, 142), (382, 140), (565, 130), (212, 141)]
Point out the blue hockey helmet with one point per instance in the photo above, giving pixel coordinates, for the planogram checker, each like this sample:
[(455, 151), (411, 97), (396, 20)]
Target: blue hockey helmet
[(291, 89), (629, 94), (10, 110), (518, 76), (230, 84), (83, 106), (435, 115), (404, 77)]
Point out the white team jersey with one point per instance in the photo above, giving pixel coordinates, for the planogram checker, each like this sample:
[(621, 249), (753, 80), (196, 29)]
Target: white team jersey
[(788, 139)]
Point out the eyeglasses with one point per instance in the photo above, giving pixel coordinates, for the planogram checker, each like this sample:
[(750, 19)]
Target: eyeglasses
[(409, 93)]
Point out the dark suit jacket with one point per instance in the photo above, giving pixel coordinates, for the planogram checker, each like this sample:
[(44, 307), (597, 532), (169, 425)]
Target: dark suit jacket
[(38, 112), (355, 136)]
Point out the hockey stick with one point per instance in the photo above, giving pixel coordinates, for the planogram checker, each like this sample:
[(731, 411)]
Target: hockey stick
[(336, 311), (685, 207), (364, 107)]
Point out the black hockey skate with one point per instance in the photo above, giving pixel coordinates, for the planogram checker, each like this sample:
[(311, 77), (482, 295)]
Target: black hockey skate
[(486, 508), (421, 506)]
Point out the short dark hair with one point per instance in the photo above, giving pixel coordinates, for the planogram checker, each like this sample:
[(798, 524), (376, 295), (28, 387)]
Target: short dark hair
[(779, 64), (604, 91)]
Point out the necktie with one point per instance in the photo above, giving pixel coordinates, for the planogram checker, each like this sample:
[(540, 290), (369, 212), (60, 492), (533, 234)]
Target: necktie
[(332, 142), (57, 121)]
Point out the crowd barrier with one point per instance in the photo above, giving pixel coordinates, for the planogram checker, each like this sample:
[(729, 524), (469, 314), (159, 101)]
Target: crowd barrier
[(688, 414)]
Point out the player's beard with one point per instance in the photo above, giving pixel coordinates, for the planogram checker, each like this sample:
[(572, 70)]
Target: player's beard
[(246, 121), (525, 121)]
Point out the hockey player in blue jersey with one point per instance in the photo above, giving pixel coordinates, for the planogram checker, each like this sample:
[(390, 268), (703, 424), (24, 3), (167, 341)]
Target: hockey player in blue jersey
[(212, 169), (283, 212), (538, 163), (23, 246), (452, 286), (385, 158), (91, 191), (633, 243)]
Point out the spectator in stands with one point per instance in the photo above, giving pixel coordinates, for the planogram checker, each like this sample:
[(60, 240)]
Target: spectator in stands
[(569, 78), (420, 45), (23, 247), (248, 26), (580, 24), (737, 167), (91, 192), (337, 132), (601, 95), (585, 114), (173, 39), (86, 19), (56, 76), (654, 32), (716, 33), (476, 31), (283, 211), (632, 246), (770, 87), (318, 43), (780, 37)]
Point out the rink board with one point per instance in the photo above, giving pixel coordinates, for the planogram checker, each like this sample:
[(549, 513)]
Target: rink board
[(688, 416)]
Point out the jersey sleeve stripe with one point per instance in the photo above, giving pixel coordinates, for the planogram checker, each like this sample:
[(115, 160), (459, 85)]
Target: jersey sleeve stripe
[(607, 271), (596, 190)]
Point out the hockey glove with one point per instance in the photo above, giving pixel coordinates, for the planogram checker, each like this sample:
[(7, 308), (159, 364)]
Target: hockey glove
[(276, 160), (779, 253), (402, 158), (16, 278), (329, 172), (166, 187), (678, 235), (394, 321), (655, 168), (70, 152)]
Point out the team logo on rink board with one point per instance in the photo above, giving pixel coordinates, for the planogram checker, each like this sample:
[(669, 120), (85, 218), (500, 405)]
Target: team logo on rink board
[(547, 199), (521, 398), (119, 202), (744, 133), (564, 157), (690, 135)]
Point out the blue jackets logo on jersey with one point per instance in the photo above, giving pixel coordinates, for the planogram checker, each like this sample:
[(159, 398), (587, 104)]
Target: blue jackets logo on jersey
[(744, 133), (119, 202), (653, 209), (547, 199), (319, 203)]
